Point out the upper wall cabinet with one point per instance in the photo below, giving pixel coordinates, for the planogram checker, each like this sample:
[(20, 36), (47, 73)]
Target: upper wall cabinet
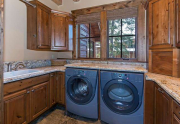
[(38, 26), (48, 29), (162, 24)]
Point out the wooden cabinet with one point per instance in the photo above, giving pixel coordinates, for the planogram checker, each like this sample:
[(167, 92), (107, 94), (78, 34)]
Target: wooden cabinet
[(163, 106), (161, 23), (53, 89), (17, 107), (61, 88), (38, 26), (39, 99), (164, 57), (176, 113), (59, 27)]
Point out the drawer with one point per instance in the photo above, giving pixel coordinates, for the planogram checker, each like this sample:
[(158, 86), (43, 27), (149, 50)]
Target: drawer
[(23, 84), (176, 120), (176, 109)]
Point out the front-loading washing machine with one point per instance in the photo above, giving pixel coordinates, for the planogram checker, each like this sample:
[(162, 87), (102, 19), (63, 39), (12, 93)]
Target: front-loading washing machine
[(121, 99), (82, 92)]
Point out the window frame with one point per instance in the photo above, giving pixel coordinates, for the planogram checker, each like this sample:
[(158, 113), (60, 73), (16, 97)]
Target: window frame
[(136, 42), (79, 38)]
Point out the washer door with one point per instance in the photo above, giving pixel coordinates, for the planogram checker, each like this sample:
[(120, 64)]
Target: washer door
[(80, 90), (121, 96)]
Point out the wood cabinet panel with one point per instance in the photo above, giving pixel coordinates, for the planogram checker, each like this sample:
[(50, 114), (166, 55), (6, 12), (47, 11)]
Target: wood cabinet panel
[(161, 23), (16, 108), (53, 89), (59, 23), (163, 106), (39, 99), (43, 27), (176, 109), (38, 26), (22, 84), (149, 102), (61, 88)]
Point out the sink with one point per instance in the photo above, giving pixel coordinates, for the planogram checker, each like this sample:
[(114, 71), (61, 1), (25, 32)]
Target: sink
[(17, 73)]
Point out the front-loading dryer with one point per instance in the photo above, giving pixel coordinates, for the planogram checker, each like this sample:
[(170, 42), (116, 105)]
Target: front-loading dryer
[(121, 99), (82, 92)]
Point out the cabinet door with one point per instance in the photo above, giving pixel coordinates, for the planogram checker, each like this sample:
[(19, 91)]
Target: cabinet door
[(61, 88), (43, 27), (176, 120), (59, 32), (161, 23), (39, 99), (163, 107), (16, 108), (53, 89)]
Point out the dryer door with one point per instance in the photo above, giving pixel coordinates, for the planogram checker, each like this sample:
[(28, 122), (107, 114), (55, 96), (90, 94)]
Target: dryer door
[(80, 90), (121, 96)]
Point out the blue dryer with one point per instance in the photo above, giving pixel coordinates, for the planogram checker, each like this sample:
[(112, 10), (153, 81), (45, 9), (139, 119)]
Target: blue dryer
[(121, 99), (82, 92)]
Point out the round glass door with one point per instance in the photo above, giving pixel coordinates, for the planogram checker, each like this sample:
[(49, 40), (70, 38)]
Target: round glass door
[(80, 90), (121, 96)]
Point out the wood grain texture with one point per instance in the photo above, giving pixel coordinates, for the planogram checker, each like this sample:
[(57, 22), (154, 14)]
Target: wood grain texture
[(17, 108), (22, 84), (141, 34), (59, 25), (149, 102), (176, 63), (176, 109), (117, 5), (163, 106), (1, 60), (39, 100), (103, 35), (61, 88), (53, 89)]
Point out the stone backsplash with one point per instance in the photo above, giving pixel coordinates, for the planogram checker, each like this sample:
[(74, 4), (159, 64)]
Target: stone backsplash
[(30, 64)]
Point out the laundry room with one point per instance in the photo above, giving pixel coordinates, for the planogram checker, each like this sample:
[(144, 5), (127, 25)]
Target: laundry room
[(89, 62)]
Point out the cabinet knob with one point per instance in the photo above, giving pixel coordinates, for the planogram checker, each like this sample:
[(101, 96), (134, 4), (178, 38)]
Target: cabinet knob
[(33, 90), (28, 92), (52, 75), (34, 35)]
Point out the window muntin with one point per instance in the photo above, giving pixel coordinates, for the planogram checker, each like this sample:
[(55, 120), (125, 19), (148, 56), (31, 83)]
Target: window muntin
[(122, 38), (89, 40)]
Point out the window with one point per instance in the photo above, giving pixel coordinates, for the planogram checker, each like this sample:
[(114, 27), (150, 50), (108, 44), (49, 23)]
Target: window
[(89, 40), (122, 38)]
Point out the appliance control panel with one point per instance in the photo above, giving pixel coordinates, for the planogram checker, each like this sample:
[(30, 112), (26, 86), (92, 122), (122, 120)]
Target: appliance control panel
[(120, 76)]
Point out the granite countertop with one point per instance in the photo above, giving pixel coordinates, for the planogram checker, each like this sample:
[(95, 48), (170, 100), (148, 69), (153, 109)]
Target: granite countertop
[(130, 68), (42, 71), (170, 84)]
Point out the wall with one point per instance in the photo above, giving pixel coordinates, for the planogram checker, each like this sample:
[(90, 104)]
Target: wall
[(16, 33)]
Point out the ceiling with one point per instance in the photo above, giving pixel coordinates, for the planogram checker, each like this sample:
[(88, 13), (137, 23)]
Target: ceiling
[(59, 2)]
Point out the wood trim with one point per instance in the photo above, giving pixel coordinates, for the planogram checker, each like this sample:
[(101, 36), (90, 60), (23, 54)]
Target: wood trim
[(103, 37), (117, 5), (176, 63), (149, 102), (1, 60)]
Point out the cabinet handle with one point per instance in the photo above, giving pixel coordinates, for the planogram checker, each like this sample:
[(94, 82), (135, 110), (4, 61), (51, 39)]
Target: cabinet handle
[(34, 35), (28, 92), (159, 89), (52, 75), (33, 90)]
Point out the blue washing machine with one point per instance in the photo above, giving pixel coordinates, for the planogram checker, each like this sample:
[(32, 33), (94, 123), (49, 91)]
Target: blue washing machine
[(82, 92), (122, 97)]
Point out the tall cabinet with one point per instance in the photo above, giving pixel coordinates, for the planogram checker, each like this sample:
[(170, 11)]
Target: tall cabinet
[(164, 54)]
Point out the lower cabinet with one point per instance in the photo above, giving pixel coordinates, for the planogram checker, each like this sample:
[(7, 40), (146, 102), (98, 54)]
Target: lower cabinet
[(39, 99), (163, 106), (27, 99), (17, 108), (176, 113), (61, 88)]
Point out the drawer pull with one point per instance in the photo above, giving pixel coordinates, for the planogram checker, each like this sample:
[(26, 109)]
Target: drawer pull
[(160, 90), (28, 92), (52, 75), (33, 90)]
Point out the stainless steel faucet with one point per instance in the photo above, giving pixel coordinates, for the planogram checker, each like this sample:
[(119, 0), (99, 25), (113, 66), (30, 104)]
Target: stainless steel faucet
[(16, 67)]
